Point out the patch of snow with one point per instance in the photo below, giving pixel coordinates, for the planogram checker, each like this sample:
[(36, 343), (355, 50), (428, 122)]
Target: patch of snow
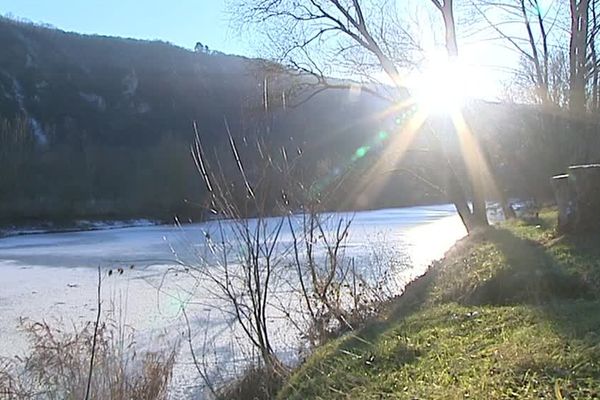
[(35, 126), (18, 91), (131, 83), (77, 226), (96, 225), (94, 99), (38, 131)]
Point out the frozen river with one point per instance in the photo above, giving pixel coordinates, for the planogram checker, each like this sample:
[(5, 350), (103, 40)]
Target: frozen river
[(54, 276)]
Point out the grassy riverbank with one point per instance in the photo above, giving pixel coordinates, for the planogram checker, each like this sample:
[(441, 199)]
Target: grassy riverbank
[(509, 313)]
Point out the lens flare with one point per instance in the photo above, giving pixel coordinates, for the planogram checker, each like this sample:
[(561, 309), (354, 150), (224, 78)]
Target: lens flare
[(442, 86)]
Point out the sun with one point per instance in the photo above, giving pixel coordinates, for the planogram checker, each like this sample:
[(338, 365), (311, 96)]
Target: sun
[(441, 86)]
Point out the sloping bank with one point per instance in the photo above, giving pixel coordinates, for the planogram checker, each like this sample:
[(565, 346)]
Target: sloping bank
[(513, 312)]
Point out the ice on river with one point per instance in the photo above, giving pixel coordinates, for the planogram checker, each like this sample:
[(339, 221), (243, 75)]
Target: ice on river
[(54, 276)]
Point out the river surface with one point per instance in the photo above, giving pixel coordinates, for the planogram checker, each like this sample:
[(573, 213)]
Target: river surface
[(53, 277)]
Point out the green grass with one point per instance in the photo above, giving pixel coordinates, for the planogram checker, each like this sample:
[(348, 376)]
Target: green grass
[(509, 313)]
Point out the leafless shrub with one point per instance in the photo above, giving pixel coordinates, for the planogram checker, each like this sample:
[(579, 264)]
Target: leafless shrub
[(274, 266), (337, 295), (243, 254)]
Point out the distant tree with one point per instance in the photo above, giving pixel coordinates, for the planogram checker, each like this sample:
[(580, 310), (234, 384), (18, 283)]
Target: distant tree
[(201, 48), (558, 48), (532, 32), (584, 65), (578, 46)]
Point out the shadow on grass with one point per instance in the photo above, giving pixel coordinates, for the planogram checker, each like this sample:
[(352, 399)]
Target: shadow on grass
[(415, 295), (359, 345), (561, 282), (572, 366), (531, 275)]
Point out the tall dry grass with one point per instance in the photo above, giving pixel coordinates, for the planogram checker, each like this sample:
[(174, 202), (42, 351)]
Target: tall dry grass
[(58, 364)]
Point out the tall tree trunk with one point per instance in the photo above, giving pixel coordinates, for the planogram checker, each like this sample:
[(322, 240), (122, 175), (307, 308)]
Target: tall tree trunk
[(456, 193), (595, 29), (450, 28), (578, 55), (479, 207), (477, 217), (541, 68)]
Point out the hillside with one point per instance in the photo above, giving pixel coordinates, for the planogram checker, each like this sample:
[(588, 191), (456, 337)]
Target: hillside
[(98, 126), (95, 127), (509, 313)]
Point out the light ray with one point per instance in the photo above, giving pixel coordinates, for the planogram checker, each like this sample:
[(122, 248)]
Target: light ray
[(377, 116), (476, 163), (362, 151), (371, 182)]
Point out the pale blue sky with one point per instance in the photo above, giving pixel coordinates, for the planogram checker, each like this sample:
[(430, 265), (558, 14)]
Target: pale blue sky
[(182, 22), (185, 22)]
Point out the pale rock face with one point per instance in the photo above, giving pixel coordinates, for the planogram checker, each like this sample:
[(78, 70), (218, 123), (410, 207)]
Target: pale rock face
[(131, 83), (94, 99), (36, 127)]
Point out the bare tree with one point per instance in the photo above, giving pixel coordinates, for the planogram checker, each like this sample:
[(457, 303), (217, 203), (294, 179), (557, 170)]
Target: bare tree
[(365, 40), (275, 264), (329, 38), (593, 69), (446, 8), (533, 33), (476, 162), (546, 38)]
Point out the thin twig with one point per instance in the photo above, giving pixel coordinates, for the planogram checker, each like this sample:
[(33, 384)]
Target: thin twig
[(94, 339)]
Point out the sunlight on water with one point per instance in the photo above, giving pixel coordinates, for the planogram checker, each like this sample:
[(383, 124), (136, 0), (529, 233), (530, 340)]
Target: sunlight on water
[(431, 241)]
